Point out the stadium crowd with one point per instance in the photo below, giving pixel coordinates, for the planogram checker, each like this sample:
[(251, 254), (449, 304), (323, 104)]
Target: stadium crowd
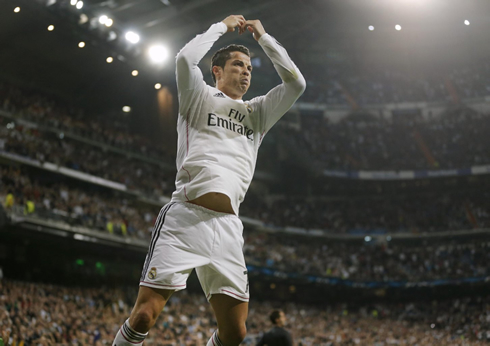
[(410, 214), (382, 86), (456, 139), (43, 146), (43, 314), (32, 105), (94, 209), (88, 207), (425, 212), (384, 261)]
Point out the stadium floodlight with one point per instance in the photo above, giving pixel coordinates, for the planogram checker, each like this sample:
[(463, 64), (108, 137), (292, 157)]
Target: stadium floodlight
[(83, 19), (158, 86), (79, 5), (103, 19), (466, 22), (73, 2), (126, 109), (134, 73), (81, 44), (158, 54), (106, 21), (367, 238), (17, 9), (132, 37), (51, 28), (371, 28), (398, 27), (109, 59)]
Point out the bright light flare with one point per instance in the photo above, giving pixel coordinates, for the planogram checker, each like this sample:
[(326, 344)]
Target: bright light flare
[(73, 2), (135, 73), (51, 28), (103, 19), (126, 109), (132, 37), (106, 21), (371, 28), (81, 44), (398, 27), (158, 86), (109, 59), (158, 54), (466, 22), (79, 5), (17, 9)]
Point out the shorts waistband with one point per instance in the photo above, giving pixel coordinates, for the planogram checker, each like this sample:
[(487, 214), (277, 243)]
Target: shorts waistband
[(206, 210)]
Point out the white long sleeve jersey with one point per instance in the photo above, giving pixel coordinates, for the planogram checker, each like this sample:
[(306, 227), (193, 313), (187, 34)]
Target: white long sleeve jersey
[(218, 137)]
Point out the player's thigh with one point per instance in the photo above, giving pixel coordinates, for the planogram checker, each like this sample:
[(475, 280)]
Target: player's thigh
[(150, 300), (230, 313)]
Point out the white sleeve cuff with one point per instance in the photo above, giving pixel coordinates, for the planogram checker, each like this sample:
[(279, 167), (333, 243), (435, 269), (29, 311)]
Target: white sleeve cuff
[(223, 27), (263, 38)]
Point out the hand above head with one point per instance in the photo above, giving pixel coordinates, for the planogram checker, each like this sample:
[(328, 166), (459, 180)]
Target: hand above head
[(255, 27), (235, 21)]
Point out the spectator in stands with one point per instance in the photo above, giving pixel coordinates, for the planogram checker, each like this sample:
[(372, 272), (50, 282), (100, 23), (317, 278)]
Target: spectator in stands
[(32, 313), (277, 336)]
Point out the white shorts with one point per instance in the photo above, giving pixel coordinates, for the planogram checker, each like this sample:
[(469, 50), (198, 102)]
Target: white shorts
[(187, 237)]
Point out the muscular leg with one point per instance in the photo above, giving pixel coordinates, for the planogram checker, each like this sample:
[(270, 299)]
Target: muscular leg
[(231, 315), (149, 304)]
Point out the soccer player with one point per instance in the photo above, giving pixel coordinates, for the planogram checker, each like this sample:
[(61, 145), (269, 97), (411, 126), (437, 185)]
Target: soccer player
[(219, 135), (277, 336)]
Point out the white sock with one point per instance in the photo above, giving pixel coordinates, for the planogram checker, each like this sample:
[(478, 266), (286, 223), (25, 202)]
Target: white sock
[(127, 336), (214, 341)]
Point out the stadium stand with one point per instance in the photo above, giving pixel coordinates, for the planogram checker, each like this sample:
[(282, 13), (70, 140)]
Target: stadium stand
[(455, 139), (49, 314), (385, 86), (102, 211), (106, 180)]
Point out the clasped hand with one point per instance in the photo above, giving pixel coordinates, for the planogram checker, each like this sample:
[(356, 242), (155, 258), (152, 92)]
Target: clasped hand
[(238, 21)]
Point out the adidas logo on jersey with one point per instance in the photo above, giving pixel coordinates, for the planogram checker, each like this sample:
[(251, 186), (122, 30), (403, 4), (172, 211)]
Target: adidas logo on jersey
[(219, 95)]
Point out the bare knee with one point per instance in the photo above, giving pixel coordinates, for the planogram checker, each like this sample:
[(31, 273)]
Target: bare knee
[(142, 318), (148, 306), (232, 336)]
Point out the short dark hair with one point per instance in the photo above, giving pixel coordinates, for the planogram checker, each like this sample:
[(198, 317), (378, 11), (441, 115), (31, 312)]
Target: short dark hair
[(274, 316), (224, 54)]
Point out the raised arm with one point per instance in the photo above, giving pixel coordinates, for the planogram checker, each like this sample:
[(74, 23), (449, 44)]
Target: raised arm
[(280, 99), (189, 76)]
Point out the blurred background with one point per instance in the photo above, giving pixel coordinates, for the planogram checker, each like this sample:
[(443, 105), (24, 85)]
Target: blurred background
[(368, 220)]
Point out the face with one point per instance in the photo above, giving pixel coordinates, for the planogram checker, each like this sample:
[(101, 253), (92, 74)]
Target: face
[(281, 321), (234, 79)]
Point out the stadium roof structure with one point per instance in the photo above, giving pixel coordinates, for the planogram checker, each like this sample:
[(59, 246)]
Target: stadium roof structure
[(317, 34)]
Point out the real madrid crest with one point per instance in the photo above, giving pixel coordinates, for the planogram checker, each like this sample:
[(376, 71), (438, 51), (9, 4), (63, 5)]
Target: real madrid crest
[(249, 108), (152, 273)]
